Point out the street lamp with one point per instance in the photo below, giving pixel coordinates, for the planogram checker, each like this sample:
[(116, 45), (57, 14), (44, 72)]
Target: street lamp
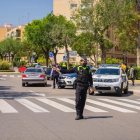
[(123, 56)]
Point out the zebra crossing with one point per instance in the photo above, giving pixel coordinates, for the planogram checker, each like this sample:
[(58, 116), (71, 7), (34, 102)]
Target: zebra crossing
[(119, 105)]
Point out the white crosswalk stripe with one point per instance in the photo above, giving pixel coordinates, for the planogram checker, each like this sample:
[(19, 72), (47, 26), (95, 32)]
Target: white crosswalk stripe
[(130, 101), (110, 106), (12, 76), (6, 108), (90, 108), (33, 107), (120, 103), (4, 75), (19, 76), (56, 105)]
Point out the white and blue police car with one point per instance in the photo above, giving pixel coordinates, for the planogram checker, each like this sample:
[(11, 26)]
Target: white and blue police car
[(110, 79)]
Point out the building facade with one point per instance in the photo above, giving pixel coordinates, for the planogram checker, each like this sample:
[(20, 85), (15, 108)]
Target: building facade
[(66, 7)]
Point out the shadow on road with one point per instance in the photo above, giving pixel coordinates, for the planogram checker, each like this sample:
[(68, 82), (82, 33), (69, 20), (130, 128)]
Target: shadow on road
[(5, 87), (114, 94), (98, 117), (12, 94), (38, 85)]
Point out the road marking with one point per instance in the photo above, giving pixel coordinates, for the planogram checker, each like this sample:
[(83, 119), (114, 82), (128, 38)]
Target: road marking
[(56, 105), (90, 108), (12, 76), (6, 108), (120, 103), (37, 94), (30, 105), (19, 76), (2, 79), (4, 75), (127, 100), (110, 106)]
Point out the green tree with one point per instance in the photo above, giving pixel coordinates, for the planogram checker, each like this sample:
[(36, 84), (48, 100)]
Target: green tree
[(64, 32), (98, 16), (85, 44)]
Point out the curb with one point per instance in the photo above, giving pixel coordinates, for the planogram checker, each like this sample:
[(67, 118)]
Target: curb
[(136, 81), (134, 92), (9, 72)]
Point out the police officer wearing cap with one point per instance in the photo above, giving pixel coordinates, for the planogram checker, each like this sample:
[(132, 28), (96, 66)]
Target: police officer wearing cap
[(84, 78)]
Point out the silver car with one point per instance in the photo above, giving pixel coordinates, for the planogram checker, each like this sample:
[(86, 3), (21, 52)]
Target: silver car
[(110, 79), (34, 76)]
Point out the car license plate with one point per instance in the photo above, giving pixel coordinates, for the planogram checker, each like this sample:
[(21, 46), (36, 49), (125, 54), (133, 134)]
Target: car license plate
[(32, 76)]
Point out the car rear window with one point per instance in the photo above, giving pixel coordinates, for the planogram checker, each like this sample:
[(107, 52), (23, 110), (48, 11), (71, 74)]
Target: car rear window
[(108, 71), (34, 70)]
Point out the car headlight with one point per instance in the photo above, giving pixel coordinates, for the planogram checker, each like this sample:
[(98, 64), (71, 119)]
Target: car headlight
[(115, 80), (95, 79)]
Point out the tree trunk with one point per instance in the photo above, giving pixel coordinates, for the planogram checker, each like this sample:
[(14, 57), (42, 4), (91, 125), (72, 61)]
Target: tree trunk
[(5, 57), (1, 56), (12, 62), (47, 56), (9, 56), (29, 59), (103, 53), (67, 51), (55, 54)]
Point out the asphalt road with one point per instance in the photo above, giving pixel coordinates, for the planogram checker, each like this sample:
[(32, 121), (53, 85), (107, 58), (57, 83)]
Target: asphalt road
[(43, 113)]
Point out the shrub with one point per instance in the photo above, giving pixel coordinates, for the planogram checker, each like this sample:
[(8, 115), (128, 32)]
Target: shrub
[(5, 65)]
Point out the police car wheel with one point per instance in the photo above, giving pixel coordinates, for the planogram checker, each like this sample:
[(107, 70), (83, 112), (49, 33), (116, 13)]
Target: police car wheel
[(121, 91), (126, 90), (62, 86), (23, 84)]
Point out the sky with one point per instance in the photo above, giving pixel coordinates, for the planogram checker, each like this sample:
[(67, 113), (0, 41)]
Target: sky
[(19, 12)]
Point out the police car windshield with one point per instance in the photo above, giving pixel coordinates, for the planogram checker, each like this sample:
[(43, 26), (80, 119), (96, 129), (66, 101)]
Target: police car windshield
[(108, 71)]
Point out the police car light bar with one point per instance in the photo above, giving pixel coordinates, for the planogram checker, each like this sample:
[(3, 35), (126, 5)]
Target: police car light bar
[(110, 65)]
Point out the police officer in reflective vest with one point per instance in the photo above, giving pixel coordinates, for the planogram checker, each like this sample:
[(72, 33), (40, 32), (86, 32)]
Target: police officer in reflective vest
[(84, 78)]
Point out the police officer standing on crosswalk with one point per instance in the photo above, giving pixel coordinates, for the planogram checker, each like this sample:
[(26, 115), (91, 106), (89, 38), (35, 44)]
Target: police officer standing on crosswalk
[(84, 78)]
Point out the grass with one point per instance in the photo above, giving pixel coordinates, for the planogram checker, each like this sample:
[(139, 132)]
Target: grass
[(11, 70)]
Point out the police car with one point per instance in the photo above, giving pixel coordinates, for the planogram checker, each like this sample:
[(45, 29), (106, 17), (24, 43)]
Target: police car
[(67, 80), (110, 78)]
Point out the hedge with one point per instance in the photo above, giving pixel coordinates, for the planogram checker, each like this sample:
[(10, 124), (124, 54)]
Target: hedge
[(5, 65)]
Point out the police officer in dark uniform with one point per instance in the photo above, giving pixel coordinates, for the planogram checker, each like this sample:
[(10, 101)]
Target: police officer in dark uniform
[(54, 75), (84, 78)]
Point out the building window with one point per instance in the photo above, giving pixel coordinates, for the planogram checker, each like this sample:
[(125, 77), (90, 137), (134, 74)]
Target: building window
[(108, 34), (131, 60), (73, 5)]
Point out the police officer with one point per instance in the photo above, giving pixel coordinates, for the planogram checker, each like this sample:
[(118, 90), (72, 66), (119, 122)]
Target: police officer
[(64, 66), (54, 75), (84, 77)]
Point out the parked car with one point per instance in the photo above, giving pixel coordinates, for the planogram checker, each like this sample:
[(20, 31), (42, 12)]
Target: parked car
[(34, 76), (23, 68), (110, 79)]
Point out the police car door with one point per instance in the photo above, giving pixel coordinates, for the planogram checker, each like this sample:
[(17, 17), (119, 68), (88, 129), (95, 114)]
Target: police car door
[(123, 74)]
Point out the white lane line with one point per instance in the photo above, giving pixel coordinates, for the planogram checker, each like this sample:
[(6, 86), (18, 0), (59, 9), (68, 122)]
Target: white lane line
[(56, 105), (37, 94), (12, 76), (130, 101), (120, 103), (90, 108), (110, 106), (19, 76), (4, 75), (30, 105), (6, 108)]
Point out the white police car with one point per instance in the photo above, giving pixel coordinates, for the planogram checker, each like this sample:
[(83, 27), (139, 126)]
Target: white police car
[(67, 80), (110, 79)]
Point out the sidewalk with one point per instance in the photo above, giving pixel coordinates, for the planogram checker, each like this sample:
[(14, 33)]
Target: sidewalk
[(134, 89)]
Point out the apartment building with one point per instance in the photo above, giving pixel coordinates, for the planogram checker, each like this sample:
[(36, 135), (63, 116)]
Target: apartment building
[(66, 7), (15, 33)]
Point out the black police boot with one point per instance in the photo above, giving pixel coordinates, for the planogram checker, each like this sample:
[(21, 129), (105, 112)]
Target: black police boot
[(53, 87), (79, 117)]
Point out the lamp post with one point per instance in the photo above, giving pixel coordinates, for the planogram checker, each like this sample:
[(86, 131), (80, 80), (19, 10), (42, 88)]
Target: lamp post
[(123, 56)]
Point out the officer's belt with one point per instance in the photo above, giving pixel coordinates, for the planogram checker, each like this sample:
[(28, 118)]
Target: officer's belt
[(82, 85)]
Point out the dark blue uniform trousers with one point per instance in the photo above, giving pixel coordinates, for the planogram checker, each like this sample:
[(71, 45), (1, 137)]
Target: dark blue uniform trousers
[(55, 80), (81, 95)]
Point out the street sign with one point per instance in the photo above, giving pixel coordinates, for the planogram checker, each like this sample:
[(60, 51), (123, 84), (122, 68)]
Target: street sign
[(51, 54), (51, 58), (71, 53), (32, 58), (64, 58)]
